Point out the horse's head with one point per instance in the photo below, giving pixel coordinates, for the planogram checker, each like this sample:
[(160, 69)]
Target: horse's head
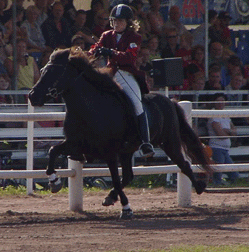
[(64, 68), (55, 76)]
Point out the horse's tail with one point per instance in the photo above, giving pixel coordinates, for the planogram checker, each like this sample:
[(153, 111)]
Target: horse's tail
[(191, 142)]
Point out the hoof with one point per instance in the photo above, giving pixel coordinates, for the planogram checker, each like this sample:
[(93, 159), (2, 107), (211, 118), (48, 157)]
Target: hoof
[(200, 187), (55, 185), (108, 201), (126, 214)]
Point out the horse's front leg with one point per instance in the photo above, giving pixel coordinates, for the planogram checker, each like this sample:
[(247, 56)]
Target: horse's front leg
[(55, 182), (117, 190)]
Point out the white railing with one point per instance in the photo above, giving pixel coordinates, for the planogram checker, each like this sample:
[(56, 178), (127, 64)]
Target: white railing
[(75, 171)]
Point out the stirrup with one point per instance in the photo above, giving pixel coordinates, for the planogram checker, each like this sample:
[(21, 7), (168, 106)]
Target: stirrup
[(146, 150)]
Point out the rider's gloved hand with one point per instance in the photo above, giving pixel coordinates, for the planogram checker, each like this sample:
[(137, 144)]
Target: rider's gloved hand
[(105, 52)]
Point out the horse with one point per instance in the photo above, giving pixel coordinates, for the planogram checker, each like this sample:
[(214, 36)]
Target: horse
[(100, 122)]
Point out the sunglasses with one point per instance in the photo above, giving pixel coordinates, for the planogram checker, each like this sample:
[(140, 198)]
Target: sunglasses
[(171, 36)]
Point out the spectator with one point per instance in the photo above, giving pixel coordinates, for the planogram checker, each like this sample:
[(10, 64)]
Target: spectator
[(56, 29), (198, 57), (220, 32), (143, 63), (96, 5), (3, 19), (234, 66), (217, 54), (144, 55), (197, 82), (27, 69), (5, 49), (199, 32), (69, 10), (221, 128), (153, 46), (174, 20), (155, 18), (36, 41), (50, 4), (41, 5), (80, 29), (214, 78), (8, 14), (45, 57), (78, 40), (141, 16), (185, 50), (171, 36), (101, 23), (236, 83), (5, 85), (9, 25)]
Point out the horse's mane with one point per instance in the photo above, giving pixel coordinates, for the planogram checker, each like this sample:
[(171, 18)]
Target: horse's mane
[(99, 77)]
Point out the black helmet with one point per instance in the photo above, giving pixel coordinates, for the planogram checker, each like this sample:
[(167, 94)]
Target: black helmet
[(121, 11)]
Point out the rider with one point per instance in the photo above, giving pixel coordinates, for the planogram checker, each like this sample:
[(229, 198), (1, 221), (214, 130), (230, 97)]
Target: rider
[(121, 46)]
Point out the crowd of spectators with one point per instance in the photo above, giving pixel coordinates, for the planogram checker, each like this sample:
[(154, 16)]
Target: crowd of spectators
[(49, 24)]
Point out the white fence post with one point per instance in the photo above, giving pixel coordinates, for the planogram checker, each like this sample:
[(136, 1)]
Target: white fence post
[(30, 149), (184, 185), (75, 186)]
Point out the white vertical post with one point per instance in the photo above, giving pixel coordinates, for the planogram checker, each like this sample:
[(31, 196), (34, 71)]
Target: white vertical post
[(30, 149), (184, 185), (75, 185)]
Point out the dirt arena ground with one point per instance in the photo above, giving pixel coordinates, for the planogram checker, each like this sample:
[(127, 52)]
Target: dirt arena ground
[(44, 223)]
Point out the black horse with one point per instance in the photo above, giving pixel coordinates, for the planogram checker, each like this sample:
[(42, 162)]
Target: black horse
[(100, 122)]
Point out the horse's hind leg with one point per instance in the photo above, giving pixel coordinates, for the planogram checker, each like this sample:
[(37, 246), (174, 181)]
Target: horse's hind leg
[(117, 191), (127, 172), (173, 150)]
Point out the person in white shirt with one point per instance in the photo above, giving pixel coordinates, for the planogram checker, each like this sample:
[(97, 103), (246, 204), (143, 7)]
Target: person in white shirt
[(222, 129)]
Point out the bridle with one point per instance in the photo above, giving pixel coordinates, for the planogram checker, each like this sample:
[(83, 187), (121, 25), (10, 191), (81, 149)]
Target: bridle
[(53, 91)]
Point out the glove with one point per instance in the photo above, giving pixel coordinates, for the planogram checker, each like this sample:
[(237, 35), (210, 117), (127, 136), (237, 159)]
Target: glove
[(105, 52)]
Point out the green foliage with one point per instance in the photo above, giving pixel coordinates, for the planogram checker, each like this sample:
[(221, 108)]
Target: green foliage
[(149, 181), (12, 190)]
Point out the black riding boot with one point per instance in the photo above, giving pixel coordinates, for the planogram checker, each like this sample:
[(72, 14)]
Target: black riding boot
[(146, 148)]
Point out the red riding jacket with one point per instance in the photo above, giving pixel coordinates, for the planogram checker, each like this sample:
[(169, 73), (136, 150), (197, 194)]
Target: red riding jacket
[(124, 53)]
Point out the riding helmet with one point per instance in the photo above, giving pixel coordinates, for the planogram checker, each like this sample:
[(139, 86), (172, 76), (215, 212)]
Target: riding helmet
[(121, 11)]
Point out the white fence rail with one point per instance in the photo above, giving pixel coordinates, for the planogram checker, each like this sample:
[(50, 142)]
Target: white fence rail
[(75, 171)]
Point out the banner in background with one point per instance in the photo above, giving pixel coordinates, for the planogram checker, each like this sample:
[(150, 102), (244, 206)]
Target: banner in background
[(193, 10)]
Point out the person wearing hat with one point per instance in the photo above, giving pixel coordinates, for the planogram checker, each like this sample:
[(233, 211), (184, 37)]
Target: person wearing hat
[(220, 32), (78, 40), (221, 129), (120, 47), (199, 33)]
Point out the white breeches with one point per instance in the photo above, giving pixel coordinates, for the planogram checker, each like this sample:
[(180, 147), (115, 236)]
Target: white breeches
[(131, 88)]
